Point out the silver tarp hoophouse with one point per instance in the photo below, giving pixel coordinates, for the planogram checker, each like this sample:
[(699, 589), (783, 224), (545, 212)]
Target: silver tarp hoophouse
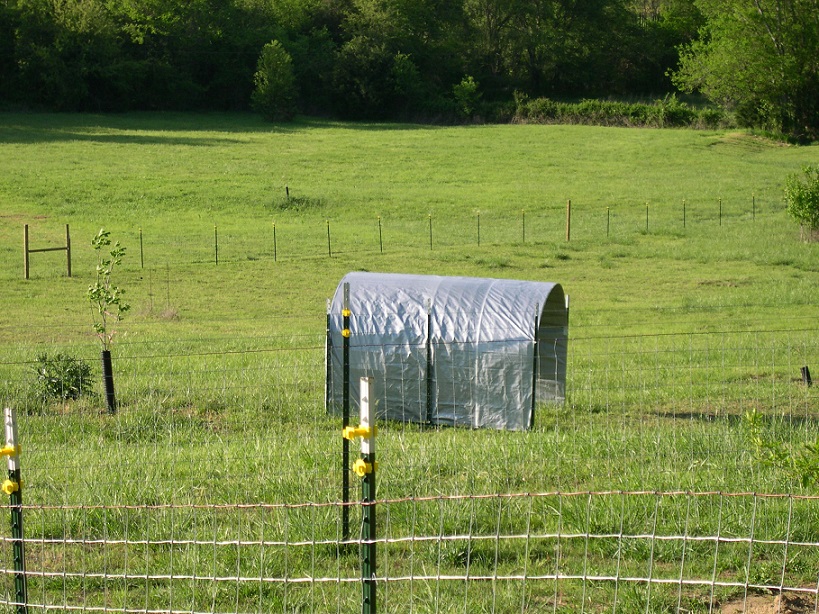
[(458, 351)]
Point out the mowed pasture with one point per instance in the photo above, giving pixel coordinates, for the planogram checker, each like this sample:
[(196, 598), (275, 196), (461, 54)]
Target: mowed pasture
[(215, 486)]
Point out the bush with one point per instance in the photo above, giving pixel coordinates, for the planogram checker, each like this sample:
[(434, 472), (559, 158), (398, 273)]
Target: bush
[(675, 113), (801, 464), (466, 96), (499, 111), (409, 86), (62, 377), (275, 93), (666, 112), (758, 114), (711, 118), (802, 197), (541, 110)]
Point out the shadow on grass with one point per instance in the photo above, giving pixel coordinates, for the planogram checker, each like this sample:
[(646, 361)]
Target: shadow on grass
[(124, 128)]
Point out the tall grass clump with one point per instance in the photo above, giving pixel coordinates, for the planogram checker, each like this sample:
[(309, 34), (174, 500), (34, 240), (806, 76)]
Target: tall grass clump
[(62, 376)]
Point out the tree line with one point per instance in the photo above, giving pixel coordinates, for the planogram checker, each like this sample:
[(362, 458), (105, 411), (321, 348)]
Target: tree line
[(428, 60)]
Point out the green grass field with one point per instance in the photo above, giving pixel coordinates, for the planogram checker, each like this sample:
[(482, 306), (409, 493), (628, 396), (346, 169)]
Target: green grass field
[(677, 329)]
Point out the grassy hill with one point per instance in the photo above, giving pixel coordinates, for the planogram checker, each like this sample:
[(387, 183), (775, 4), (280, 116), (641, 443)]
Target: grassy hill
[(176, 177), (684, 316)]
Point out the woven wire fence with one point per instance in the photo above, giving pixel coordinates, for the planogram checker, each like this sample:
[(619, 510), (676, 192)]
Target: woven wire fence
[(288, 235), (578, 551), (216, 485)]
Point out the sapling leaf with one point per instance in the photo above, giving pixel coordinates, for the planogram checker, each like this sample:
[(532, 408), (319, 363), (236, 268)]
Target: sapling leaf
[(106, 298)]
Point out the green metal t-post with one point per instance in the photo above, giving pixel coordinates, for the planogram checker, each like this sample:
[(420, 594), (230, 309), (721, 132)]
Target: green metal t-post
[(19, 555), (12, 486), (345, 414)]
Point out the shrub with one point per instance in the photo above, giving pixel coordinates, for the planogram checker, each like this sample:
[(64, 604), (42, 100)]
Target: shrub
[(665, 112), (275, 93), (802, 197), (406, 77), (538, 110), (710, 117), (644, 115), (590, 112), (801, 464), (466, 96), (675, 113), (499, 111), (757, 114), (62, 377)]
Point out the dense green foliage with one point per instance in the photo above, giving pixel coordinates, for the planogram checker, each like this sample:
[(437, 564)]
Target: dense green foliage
[(107, 302), (665, 113), (399, 59), (761, 58), (354, 58), (802, 197), (62, 376), (802, 464), (275, 93)]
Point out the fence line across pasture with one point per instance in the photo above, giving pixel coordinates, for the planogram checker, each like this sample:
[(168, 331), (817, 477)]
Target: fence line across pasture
[(543, 225), (293, 238)]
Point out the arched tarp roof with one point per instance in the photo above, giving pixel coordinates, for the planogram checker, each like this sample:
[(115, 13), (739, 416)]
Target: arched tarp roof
[(450, 350)]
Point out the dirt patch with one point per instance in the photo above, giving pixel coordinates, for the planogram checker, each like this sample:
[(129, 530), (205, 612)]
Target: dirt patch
[(786, 603), (809, 235), (725, 283), (23, 217)]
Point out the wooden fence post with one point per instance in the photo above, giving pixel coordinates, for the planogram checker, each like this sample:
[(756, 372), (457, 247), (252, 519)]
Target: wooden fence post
[(27, 251)]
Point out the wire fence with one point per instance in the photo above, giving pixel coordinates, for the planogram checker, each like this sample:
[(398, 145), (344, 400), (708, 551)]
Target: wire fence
[(577, 551), (295, 233), (216, 485)]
